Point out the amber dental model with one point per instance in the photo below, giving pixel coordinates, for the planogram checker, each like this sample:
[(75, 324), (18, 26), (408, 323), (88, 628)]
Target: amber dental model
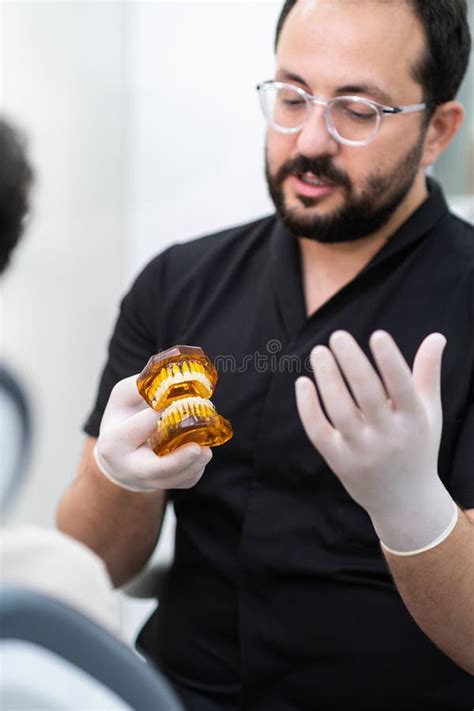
[(179, 382)]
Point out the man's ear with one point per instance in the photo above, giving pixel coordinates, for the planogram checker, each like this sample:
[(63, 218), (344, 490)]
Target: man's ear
[(442, 128)]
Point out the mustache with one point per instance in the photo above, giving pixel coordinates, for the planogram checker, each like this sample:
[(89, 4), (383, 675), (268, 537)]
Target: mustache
[(321, 166)]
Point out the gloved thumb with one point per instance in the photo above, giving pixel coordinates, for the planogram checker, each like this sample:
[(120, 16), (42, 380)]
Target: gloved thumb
[(136, 429), (427, 369)]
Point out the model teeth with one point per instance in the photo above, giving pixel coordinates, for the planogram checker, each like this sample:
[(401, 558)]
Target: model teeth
[(185, 407), (165, 381)]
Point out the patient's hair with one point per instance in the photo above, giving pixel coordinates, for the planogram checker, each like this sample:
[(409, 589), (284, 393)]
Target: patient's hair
[(443, 65), (16, 177)]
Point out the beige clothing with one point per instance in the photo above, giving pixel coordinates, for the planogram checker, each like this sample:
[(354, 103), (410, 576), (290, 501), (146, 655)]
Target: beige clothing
[(57, 565)]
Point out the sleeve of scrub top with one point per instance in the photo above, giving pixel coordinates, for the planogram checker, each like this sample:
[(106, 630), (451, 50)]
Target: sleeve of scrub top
[(137, 335)]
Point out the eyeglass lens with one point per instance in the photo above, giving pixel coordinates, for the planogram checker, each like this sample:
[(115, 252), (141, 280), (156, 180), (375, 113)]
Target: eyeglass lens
[(286, 108)]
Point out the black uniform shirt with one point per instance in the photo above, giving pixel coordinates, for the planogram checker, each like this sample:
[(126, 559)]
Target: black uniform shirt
[(279, 586)]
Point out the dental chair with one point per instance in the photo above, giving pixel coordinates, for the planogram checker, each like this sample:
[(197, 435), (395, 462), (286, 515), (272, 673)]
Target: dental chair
[(54, 657)]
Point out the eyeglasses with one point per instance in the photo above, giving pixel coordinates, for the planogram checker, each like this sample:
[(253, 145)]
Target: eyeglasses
[(352, 120)]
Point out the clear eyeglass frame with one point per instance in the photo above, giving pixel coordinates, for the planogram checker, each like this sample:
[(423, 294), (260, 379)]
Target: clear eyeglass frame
[(380, 109)]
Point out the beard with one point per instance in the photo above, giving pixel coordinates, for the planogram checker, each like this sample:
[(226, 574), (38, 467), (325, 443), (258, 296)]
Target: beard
[(362, 214)]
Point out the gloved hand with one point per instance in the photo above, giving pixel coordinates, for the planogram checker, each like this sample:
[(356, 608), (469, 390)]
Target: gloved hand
[(124, 456), (383, 441)]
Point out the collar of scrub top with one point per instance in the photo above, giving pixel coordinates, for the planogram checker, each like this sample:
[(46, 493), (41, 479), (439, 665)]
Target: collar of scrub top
[(286, 261)]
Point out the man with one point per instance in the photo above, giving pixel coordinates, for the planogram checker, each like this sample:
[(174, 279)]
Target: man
[(324, 557)]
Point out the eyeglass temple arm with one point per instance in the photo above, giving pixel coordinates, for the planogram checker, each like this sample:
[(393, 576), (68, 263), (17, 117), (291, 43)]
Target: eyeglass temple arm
[(410, 108)]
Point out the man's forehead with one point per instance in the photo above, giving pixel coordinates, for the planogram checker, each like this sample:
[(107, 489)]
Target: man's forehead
[(307, 6), (374, 42), (369, 17)]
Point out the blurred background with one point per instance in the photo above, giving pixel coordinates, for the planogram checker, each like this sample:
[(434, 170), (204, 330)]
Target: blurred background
[(144, 129)]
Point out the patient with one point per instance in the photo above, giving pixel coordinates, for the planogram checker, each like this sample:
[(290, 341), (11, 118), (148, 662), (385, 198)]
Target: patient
[(33, 557)]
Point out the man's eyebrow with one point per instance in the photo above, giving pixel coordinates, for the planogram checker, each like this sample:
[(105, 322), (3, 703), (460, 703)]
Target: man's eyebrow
[(353, 88), (371, 89), (291, 77)]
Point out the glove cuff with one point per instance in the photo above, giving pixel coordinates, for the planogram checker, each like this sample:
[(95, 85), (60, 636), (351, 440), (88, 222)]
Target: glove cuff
[(102, 466), (434, 543)]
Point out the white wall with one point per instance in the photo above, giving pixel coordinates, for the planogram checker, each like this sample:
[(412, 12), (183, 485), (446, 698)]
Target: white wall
[(196, 133), (62, 81)]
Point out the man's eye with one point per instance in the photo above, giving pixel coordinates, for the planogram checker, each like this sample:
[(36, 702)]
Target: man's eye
[(292, 102), (358, 116)]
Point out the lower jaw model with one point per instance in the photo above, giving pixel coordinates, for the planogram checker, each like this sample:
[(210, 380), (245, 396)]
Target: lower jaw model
[(178, 383)]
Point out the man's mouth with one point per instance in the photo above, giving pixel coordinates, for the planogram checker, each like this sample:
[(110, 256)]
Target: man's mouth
[(311, 179), (308, 185)]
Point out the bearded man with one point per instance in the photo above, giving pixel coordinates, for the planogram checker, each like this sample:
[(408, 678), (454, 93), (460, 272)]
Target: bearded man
[(324, 557)]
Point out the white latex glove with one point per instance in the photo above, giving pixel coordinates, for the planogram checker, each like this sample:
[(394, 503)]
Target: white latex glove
[(123, 454), (384, 438)]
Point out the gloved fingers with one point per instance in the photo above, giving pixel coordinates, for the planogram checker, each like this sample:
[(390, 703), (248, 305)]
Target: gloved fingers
[(362, 378), (179, 469), (395, 372), (124, 401), (319, 431), (427, 370), (136, 429), (188, 478), (337, 400)]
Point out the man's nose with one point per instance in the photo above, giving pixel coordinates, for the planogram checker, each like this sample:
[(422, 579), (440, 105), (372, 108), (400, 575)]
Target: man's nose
[(314, 138)]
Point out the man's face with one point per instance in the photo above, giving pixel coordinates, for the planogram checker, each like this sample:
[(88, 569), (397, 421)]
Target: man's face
[(340, 47)]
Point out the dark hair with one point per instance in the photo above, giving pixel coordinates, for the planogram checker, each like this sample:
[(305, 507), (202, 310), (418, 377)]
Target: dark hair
[(441, 70), (16, 177)]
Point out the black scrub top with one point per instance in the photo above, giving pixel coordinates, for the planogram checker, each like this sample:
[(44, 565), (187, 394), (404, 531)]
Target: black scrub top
[(279, 589)]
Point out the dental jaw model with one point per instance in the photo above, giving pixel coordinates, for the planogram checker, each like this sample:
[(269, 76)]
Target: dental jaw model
[(178, 383)]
